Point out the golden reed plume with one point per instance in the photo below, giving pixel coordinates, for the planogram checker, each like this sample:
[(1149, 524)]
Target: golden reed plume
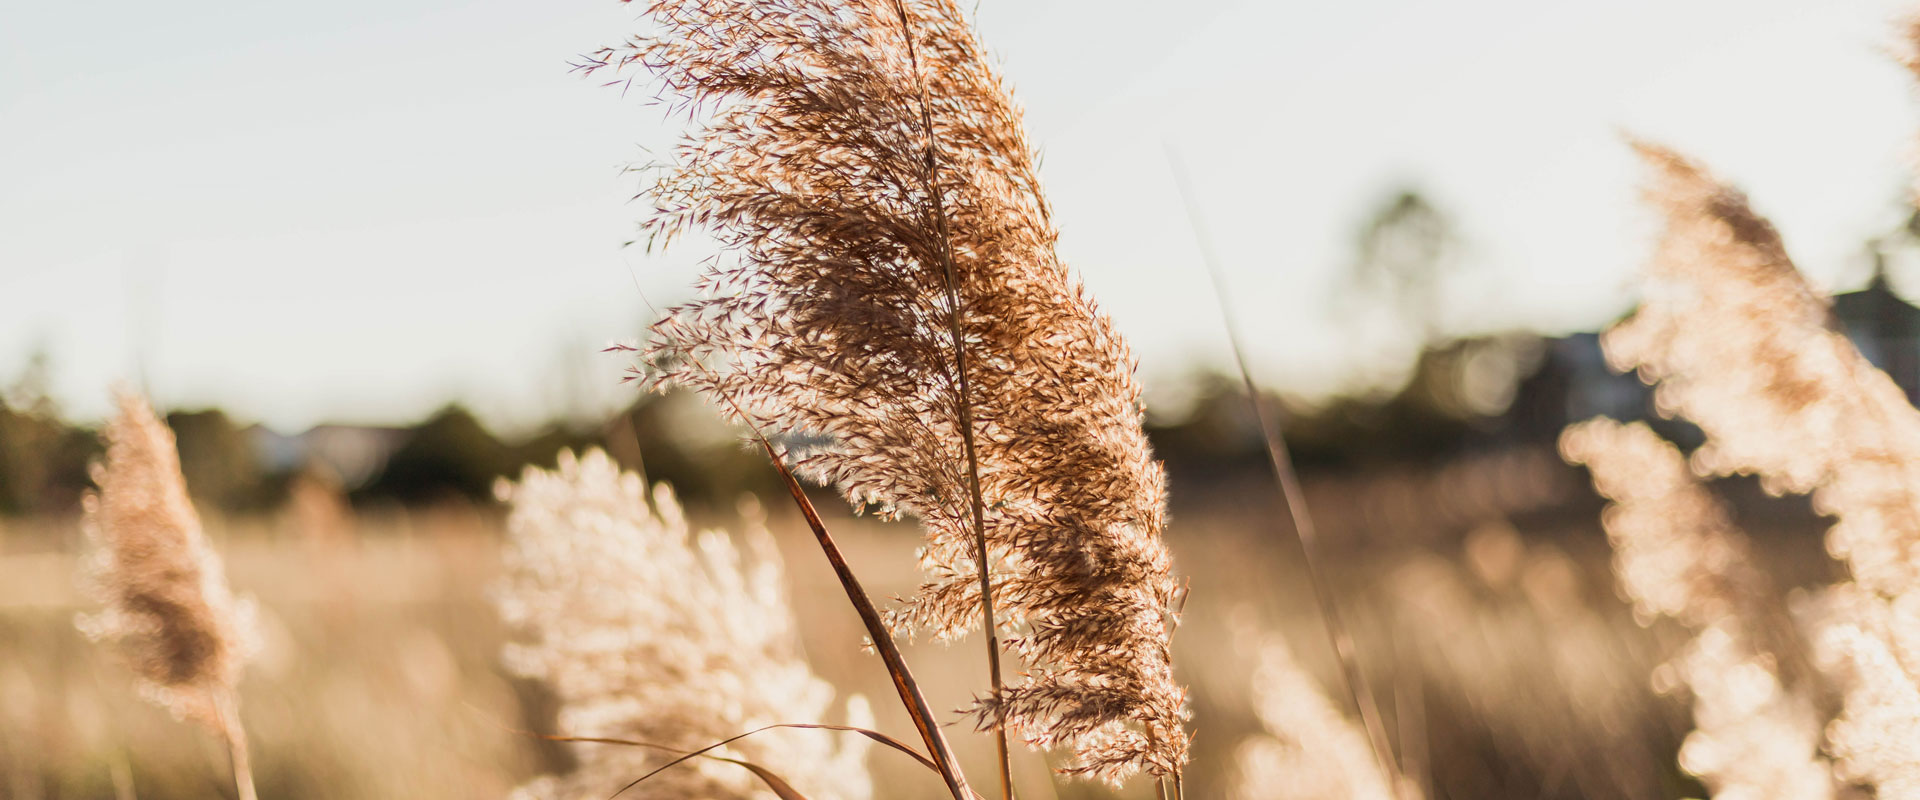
[(1677, 554), (1740, 344), (650, 632), (165, 602), (889, 298)]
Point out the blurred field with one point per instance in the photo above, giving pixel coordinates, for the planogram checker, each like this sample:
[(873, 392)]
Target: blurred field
[(1506, 662)]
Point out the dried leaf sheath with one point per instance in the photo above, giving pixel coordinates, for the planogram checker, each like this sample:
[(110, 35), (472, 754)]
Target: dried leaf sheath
[(826, 318)]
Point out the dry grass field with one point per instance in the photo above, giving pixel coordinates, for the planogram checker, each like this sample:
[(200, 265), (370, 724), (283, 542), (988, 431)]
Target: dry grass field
[(1461, 613), (1505, 660)]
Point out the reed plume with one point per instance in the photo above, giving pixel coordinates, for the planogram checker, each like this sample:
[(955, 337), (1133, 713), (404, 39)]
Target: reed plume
[(1743, 346), (1867, 646), (1869, 639), (1678, 555), (1740, 344), (1310, 750), (165, 603), (889, 299), (648, 632)]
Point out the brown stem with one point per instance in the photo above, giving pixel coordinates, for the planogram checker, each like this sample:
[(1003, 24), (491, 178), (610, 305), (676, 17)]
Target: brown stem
[(911, 698), (903, 682), (965, 403)]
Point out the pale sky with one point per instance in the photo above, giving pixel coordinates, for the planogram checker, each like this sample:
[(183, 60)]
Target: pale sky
[(360, 210)]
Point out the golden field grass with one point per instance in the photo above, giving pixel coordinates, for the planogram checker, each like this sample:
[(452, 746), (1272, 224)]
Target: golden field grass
[(380, 675)]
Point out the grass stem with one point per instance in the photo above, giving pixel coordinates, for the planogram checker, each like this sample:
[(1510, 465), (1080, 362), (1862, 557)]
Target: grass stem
[(236, 737), (1289, 482), (965, 408)]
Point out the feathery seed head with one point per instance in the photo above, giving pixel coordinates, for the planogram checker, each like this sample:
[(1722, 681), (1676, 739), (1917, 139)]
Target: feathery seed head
[(1865, 646), (649, 632), (163, 592), (857, 153), (1740, 344), (1677, 554)]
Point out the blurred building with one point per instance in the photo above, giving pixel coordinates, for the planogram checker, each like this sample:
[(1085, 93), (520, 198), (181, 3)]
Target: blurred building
[(354, 454), (1574, 383), (1885, 328)]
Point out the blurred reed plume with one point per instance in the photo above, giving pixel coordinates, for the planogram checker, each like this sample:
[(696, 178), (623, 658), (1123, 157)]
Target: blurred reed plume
[(651, 633), (165, 602), (1310, 751), (1742, 346), (1678, 555), (890, 300), (1867, 646)]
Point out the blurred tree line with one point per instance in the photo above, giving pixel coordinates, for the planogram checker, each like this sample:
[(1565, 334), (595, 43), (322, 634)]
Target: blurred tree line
[(1460, 393), (43, 459), (448, 456), (1403, 254), (1456, 398)]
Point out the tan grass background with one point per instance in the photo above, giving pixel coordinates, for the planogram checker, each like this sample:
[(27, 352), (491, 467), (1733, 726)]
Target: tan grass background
[(380, 674)]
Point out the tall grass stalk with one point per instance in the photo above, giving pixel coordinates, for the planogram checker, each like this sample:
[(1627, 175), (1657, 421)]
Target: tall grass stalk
[(955, 309), (851, 252), (165, 603)]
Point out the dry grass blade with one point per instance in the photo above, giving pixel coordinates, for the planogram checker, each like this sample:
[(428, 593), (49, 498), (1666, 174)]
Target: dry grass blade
[(779, 785), (911, 697), (1353, 680), (774, 782), (878, 737), (881, 738)]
